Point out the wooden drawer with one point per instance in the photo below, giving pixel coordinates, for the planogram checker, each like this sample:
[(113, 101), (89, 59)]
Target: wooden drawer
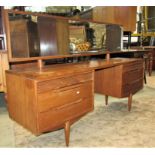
[(58, 116), (132, 87), (132, 75), (60, 97), (132, 66), (63, 82)]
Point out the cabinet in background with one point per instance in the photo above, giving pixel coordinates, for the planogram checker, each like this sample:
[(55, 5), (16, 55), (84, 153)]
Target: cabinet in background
[(122, 15)]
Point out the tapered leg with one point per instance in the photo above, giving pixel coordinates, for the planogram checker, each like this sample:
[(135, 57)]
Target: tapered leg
[(5, 96), (129, 102), (67, 132), (106, 99), (150, 66), (145, 77)]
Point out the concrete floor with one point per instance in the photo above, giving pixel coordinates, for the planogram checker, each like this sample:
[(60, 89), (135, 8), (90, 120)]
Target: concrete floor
[(11, 134)]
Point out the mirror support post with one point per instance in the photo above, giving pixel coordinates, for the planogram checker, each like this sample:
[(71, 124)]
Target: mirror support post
[(108, 56), (40, 64)]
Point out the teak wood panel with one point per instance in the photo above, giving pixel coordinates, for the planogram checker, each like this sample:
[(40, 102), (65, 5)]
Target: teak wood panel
[(104, 13), (121, 15), (106, 83), (21, 100), (126, 16)]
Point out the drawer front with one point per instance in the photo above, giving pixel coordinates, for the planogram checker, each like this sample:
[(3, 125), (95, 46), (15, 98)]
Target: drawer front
[(58, 116), (132, 87), (61, 97), (133, 75), (133, 66), (63, 82)]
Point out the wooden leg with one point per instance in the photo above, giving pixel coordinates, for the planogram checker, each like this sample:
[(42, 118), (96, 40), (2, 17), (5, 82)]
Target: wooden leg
[(5, 96), (106, 99), (129, 102), (6, 100), (67, 132), (150, 66), (145, 77)]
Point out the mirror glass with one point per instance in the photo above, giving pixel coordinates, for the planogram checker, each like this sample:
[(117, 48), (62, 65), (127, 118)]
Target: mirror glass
[(86, 36), (33, 36), (24, 35)]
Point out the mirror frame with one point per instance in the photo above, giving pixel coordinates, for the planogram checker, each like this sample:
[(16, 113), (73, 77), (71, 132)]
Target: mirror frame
[(8, 37)]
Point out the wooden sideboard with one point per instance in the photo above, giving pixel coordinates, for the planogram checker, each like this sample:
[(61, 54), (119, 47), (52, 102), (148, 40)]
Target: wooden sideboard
[(49, 99)]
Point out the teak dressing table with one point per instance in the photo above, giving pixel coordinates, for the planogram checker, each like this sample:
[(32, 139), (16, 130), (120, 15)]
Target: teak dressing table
[(45, 98)]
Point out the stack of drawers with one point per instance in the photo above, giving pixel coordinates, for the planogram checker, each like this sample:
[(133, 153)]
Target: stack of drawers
[(46, 101), (132, 78), (63, 99), (120, 81)]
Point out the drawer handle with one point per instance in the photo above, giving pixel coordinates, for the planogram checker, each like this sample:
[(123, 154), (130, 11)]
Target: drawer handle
[(78, 92)]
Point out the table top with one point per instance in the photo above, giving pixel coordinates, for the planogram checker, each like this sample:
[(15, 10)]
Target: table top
[(61, 70), (149, 47)]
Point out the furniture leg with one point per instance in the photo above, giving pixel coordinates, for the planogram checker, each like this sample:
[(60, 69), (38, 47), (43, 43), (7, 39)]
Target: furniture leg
[(145, 77), (150, 65), (106, 99), (129, 102), (5, 96), (146, 66), (67, 132)]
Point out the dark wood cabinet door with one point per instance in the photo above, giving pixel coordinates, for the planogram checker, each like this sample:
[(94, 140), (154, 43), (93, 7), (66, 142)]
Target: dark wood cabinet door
[(47, 34)]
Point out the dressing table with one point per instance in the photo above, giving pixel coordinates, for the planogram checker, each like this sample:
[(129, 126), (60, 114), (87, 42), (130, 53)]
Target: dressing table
[(45, 98)]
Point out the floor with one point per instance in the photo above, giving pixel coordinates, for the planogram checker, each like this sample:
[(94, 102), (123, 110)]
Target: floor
[(107, 126)]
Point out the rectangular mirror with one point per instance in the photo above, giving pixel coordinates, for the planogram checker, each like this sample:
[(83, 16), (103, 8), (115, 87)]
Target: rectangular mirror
[(33, 35)]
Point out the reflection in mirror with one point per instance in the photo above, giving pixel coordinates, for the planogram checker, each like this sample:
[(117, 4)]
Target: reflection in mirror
[(33, 36), (24, 35), (86, 36)]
